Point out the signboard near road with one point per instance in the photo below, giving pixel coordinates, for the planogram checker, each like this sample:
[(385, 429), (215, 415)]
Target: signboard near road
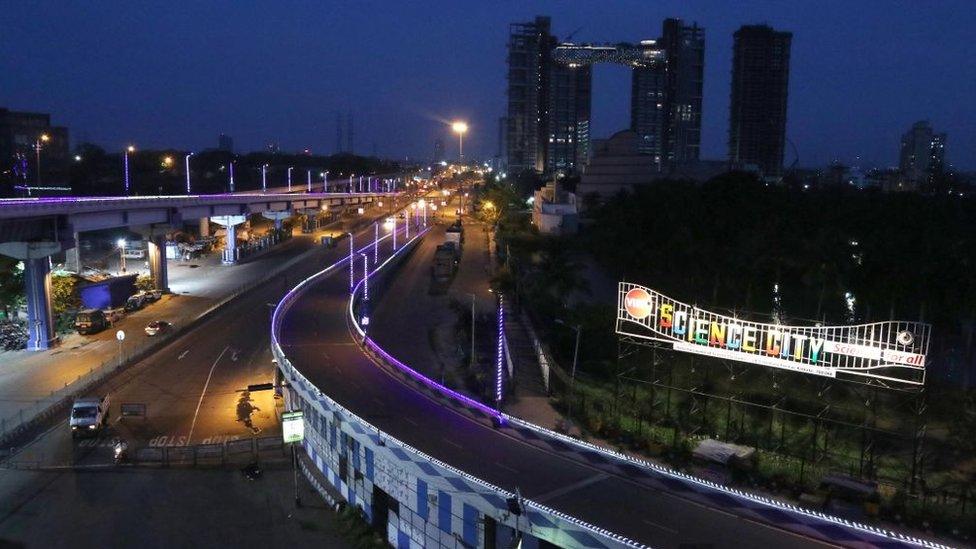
[(292, 427), (890, 352)]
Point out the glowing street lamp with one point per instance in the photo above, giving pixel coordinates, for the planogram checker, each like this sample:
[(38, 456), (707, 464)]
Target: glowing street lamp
[(232, 175), (264, 178), (41, 139), (186, 162), (125, 154), (352, 257), (460, 128), (325, 181), (350, 182), (290, 168), (308, 180)]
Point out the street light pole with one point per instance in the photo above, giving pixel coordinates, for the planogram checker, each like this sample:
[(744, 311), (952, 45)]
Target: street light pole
[(472, 331), (376, 242), (352, 271), (308, 180), (264, 178), (231, 176), (290, 168), (125, 155), (572, 376), (186, 161), (43, 138)]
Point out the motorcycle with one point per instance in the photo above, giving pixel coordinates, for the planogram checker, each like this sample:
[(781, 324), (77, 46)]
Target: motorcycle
[(120, 451)]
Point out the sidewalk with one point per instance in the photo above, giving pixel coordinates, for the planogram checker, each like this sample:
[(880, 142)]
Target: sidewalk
[(30, 382)]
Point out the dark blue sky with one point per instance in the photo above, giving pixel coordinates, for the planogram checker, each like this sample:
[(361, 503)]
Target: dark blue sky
[(178, 73)]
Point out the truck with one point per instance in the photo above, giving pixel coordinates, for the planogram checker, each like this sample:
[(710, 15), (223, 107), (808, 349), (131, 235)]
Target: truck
[(88, 416), (445, 262), (90, 321), (455, 234)]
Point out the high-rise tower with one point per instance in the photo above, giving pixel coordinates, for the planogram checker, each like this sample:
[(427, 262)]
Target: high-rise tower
[(760, 79)]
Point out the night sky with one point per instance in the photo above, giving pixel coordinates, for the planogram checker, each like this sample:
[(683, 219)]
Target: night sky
[(178, 74)]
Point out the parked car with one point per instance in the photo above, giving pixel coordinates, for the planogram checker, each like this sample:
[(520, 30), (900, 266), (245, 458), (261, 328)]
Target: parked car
[(135, 302), (157, 327), (91, 321)]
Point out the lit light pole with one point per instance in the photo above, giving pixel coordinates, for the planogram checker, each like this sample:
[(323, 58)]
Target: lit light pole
[(125, 155), (376, 242), (460, 128), (121, 245), (360, 183), (308, 180), (231, 175), (325, 181), (41, 139), (264, 178), (186, 161), (352, 256), (350, 182), (290, 168)]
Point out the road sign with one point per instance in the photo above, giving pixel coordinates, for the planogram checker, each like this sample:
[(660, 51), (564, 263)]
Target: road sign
[(120, 335), (292, 427)]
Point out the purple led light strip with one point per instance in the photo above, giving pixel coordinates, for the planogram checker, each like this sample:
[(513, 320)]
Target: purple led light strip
[(499, 352), (487, 410)]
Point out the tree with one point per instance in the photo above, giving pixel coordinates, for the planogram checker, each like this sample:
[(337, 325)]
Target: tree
[(11, 286)]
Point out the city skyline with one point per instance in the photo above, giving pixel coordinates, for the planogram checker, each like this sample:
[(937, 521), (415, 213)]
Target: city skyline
[(317, 61)]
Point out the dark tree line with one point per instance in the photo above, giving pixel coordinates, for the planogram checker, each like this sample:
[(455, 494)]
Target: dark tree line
[(726, 243)]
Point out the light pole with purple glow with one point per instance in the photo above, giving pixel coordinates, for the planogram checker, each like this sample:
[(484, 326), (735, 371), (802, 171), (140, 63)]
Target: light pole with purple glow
[(308, 180), (231, 175), (376, 242), (125, 154), (350, 182), (264, 178), (186, 160), (290, 168), (352, 257)]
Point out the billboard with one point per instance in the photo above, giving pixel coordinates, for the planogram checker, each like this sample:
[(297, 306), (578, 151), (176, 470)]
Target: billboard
[(891, 352)]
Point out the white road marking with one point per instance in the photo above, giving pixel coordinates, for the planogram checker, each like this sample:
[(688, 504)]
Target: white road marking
[(503, 466), (454, 444), (411, 422), (183, 354), (204, 392), (660, 526)]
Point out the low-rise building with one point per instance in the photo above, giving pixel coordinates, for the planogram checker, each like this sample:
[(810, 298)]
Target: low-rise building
[(554, 210)]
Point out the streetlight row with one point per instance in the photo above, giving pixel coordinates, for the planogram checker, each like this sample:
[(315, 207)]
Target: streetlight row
[(389, 183)]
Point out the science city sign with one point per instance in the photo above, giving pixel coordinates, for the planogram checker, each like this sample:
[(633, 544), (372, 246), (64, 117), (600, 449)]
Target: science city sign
[(892, 352)]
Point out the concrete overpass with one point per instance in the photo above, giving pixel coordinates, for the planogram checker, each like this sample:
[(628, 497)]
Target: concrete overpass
[(34, 229)]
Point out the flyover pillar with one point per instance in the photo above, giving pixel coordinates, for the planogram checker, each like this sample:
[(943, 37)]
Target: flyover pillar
[(37, 287), (230, 222), (277, 217), (72, 256), (157, 262), (204, 226)]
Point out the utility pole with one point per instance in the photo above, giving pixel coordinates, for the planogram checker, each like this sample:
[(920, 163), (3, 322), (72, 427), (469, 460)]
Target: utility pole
[(472, 331)]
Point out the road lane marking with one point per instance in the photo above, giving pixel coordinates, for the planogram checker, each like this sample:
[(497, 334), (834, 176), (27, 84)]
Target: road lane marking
[(571, 488), (411, 422), (454, 444), (503, 466), (660, 526), (183, 354), (204, 392)]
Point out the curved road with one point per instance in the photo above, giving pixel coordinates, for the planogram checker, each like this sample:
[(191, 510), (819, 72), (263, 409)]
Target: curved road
[(315, 336)]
